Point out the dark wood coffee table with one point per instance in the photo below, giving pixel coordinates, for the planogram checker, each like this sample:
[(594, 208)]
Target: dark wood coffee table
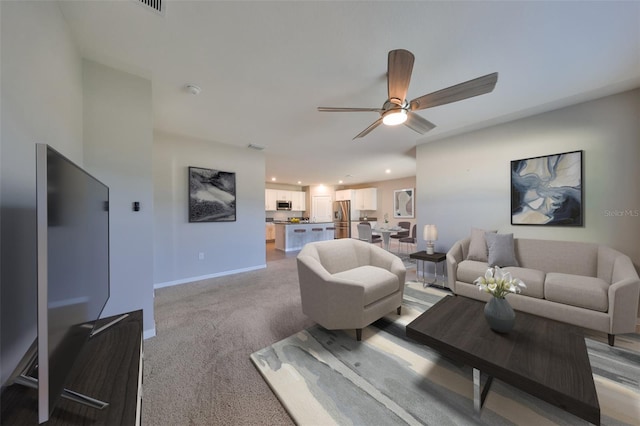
[(545, 358)]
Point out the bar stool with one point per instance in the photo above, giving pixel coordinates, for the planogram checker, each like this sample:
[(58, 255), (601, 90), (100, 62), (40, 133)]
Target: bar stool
[(299, 238)]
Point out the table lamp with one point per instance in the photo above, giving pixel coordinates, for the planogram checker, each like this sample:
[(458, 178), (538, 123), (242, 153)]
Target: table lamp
[(430, 235)]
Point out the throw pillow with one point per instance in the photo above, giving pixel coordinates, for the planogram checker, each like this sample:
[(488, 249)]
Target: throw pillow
[(501, 249), (478, 245)]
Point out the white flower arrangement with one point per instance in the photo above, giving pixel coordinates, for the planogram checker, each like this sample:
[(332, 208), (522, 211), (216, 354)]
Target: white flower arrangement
[(498, 283)]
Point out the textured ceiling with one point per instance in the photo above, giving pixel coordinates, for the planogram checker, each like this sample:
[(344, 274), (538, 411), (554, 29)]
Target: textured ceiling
[(265, 66)]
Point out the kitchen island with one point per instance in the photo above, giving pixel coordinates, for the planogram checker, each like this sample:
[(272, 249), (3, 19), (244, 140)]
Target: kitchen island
[(287, 239)]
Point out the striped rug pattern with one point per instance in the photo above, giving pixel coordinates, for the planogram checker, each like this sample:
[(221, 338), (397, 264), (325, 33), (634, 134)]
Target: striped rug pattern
[(326, 377)]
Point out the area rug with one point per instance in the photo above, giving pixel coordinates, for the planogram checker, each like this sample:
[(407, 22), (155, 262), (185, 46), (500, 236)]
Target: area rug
[(327, 377)]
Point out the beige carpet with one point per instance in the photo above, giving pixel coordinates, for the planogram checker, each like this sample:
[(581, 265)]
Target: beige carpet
[(197, 369)]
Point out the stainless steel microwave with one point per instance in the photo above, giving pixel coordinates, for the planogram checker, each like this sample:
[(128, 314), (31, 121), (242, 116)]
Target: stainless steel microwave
[(283, 205)]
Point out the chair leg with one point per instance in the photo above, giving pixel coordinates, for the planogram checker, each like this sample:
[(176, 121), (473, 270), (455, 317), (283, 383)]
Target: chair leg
[(399, 310), (358, 334), (612, 338)]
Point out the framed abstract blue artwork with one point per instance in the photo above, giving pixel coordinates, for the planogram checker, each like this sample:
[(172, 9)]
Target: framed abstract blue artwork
[(547, 190)]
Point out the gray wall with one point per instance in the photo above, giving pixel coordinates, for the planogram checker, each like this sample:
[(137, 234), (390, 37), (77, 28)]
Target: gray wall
[(228, 247), (464, 181), (118, 143), (41, 101), (102, 123)]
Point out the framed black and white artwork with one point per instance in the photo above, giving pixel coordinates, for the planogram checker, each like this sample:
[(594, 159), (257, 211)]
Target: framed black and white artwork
[(212, 195), (547, 190), (403, 203)]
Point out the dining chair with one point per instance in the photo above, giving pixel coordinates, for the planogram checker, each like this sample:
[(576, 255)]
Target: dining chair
[(374, 237), (364, 234), (409, 240), (402, 234)]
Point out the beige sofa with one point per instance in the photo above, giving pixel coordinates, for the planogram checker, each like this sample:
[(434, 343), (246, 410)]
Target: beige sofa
[(585, 284), (348, 283)]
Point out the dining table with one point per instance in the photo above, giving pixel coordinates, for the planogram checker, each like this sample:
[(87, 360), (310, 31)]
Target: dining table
[(386, 232)]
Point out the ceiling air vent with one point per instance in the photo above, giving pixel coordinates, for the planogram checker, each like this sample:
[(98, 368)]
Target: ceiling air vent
[(256, 147), (157, 6)]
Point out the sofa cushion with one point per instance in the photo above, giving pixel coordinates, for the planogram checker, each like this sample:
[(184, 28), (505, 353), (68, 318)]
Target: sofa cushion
[(567, 257), (469, 270), (533, 279), (577, 290), (377, 282), (501, 249), (478, 245)]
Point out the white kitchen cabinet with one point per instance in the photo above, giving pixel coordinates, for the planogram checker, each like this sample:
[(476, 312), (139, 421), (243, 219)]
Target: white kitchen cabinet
[(270, 197), (365, 199), (270, 231), (284, 195), (346, 194), (298, 199)]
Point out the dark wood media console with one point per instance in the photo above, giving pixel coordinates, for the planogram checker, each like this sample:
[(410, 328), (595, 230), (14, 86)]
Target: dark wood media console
[(109, 369)]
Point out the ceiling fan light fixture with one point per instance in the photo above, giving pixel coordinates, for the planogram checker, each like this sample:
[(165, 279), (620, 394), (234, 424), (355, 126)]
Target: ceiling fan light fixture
[(394, 117)]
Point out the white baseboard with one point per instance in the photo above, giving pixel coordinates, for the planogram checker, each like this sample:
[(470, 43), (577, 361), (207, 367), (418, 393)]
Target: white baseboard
[(149, 333), (206, 277)]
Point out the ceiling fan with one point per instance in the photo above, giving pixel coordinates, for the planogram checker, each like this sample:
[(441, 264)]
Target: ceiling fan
[(397, 110)]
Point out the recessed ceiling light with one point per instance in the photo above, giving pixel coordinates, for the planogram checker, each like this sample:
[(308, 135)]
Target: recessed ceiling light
[(273, 179), (387, 171), (299, 182), (339, 181)]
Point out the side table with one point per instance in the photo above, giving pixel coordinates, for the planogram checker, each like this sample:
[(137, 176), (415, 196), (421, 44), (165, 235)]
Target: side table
[(435, 258)]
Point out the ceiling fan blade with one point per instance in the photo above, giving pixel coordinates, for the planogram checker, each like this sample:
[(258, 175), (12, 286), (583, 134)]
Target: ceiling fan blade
[(468, 89), (369, 129), (337, 109), (418, 124), (399, 67)]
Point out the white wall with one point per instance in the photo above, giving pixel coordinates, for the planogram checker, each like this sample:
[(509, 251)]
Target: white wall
[(118, 144), (41, 101), (228, 247), (464, 181)]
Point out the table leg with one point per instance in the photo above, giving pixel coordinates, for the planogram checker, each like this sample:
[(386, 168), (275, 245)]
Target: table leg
[(434, 283), (385, 239), (479, 393), (426, 283)]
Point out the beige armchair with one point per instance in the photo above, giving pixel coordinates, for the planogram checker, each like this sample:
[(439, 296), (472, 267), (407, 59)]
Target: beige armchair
[(348, 283)]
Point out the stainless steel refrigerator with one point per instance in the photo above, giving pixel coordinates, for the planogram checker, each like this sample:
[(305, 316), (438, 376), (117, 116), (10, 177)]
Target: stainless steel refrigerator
[(342, 219)]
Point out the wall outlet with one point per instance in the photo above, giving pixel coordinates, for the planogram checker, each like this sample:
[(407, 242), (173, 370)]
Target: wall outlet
[(201, 256)]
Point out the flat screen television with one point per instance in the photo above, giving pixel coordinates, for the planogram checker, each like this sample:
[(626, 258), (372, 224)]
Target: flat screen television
[(73, 267)]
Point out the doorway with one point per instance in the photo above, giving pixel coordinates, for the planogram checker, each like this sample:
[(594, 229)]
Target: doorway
[(322, 209)]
